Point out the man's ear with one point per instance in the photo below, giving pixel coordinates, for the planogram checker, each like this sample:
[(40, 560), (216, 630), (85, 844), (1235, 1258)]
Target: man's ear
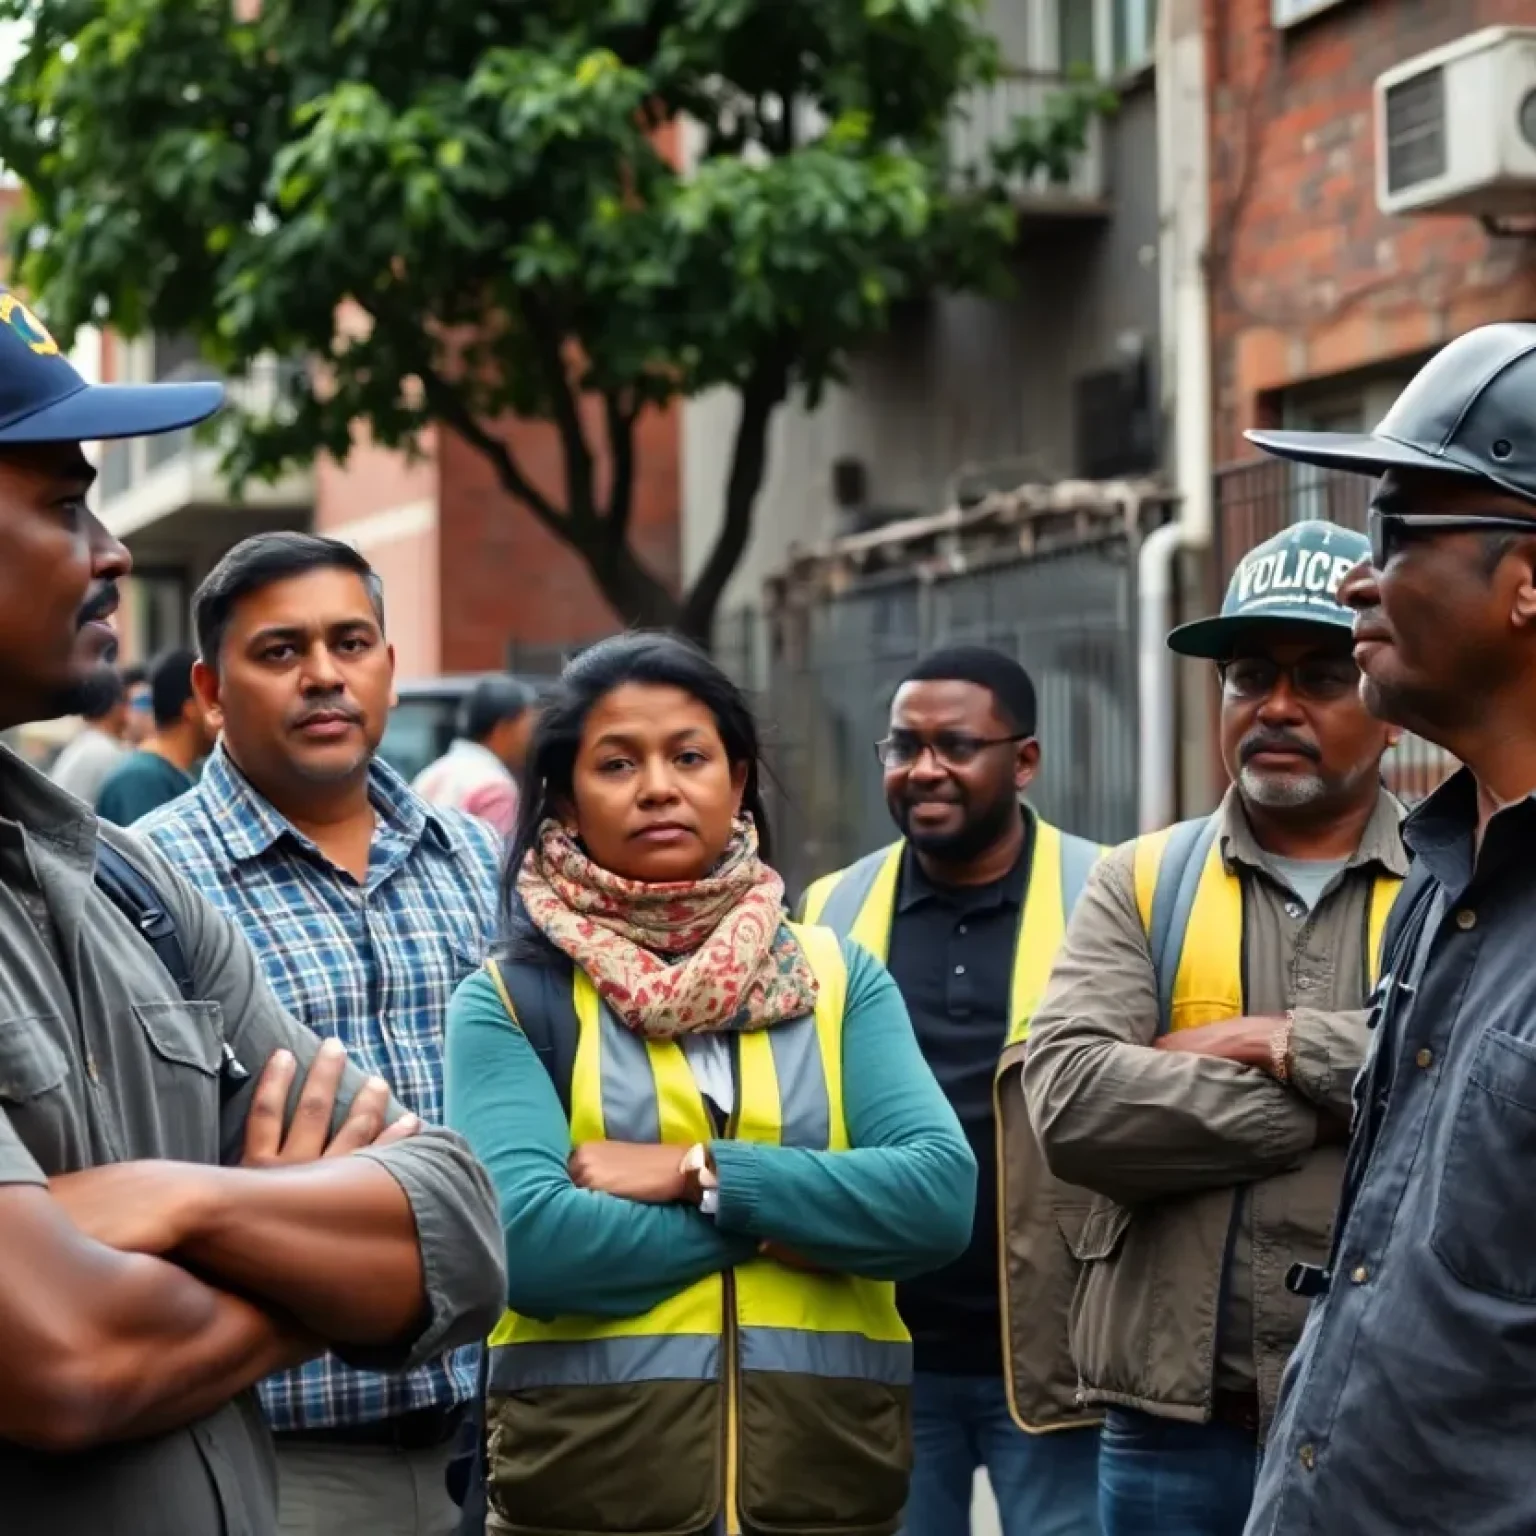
[(205, 684), (1523, 604), (1026, 764)]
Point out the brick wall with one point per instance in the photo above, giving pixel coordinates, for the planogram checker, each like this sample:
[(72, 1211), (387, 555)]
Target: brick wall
[(506, 577), (1308, 279)]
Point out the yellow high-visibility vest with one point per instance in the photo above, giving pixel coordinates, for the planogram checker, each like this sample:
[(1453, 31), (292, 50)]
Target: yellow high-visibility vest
[(1183, 888), (860, 903), (741, 1391)]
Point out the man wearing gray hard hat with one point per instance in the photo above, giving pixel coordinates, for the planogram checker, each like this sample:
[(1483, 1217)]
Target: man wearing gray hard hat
[(1409, 1405)]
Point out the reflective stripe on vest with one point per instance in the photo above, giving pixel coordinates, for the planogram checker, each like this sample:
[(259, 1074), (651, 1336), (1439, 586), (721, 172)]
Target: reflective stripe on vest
[(789, 1091), (860, 903), (1183, 887)]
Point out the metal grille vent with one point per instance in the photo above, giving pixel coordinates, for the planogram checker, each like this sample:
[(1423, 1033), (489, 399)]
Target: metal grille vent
[(1416, 139)]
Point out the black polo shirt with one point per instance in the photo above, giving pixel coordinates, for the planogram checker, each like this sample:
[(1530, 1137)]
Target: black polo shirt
[(951, 954)]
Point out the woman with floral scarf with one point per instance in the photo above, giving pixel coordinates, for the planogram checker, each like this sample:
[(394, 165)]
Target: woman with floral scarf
[(715, 1143)]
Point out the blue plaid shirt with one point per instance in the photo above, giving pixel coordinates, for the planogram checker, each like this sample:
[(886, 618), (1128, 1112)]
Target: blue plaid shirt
[(374, 965)]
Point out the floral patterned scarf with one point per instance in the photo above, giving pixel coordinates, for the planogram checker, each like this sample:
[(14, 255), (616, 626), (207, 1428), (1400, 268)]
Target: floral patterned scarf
[(680, 958)]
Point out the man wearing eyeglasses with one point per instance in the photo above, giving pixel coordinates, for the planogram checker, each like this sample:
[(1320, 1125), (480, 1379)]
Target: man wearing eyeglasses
[(1409, 1405), (1192, 1061), (967, 909)]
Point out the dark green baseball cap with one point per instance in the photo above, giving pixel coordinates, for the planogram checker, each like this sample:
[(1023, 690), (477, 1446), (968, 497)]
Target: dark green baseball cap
[(1292, 578)]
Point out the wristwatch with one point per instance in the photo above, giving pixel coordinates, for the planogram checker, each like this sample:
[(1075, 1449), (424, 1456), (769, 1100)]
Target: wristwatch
[(702, 1181)]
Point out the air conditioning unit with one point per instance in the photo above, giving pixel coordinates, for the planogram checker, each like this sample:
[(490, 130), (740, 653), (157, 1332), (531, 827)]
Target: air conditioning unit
[(1456, 127)]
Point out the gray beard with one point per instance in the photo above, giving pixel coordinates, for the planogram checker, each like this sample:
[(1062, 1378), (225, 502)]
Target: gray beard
[(1281, 791)]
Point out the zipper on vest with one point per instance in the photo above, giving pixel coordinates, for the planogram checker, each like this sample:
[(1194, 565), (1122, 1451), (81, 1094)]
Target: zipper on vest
[(729, 1342), (730, 1338), (1010, 1392)]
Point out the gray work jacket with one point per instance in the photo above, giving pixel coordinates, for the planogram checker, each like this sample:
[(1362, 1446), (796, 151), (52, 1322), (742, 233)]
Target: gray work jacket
[(101, 1060), (1410, 1404)]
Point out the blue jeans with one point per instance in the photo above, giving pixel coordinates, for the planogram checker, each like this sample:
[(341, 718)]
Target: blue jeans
[(1045, 1485), (1174, 1479)]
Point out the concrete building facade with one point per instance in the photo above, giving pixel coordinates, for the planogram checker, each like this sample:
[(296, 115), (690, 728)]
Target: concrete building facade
[(967, 394)]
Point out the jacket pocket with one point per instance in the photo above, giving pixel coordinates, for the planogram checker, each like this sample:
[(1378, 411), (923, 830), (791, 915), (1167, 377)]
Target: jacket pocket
[(32, 1062), (185, 1046), (1484, 1205), (1099, 1233)]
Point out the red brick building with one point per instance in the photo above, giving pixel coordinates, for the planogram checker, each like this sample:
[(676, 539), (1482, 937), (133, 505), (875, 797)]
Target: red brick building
[(1321, 304), (469, 574)]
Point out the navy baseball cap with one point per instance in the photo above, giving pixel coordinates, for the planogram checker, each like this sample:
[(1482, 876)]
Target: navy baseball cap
[(1292, 578), (44, 400)]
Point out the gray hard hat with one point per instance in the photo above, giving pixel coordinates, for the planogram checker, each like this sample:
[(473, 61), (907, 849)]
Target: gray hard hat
[(1470, 411)]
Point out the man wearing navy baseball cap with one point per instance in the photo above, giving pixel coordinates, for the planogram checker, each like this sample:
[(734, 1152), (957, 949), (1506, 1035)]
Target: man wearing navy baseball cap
[(1192, 1060), (171, 1231), (1408, 1406), (58, 565)]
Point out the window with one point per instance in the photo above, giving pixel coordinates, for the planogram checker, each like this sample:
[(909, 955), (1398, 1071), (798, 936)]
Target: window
[(1110, 37), (1352, 408)]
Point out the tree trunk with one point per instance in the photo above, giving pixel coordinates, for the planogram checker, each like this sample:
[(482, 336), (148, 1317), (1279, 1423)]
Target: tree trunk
[(762, 395)]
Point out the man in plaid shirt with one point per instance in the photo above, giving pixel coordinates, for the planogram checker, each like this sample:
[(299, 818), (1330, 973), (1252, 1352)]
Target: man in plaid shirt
[(366, 907)]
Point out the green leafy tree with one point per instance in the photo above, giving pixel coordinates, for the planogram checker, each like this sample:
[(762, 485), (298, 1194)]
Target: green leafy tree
[(494, 191)]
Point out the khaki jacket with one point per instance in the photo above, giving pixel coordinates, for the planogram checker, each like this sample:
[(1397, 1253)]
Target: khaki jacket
[(1198, 1172)]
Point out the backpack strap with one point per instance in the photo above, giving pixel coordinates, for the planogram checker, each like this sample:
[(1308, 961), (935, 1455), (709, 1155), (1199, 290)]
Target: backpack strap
[(132, 892), (126, 886), (547, 1018)]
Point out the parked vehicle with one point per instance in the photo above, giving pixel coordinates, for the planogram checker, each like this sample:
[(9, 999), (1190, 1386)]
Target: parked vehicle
[(423, 722)]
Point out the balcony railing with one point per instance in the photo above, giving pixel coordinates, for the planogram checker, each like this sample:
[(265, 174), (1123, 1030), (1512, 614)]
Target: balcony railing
[(127, 465), (986, 117)]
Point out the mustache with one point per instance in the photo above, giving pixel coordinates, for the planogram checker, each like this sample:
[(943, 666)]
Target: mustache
[(1276, 741), (314, 711), (102, 604)]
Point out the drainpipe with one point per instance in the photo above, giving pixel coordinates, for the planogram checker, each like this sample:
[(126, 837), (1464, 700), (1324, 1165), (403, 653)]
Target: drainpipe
[(1184, 305)]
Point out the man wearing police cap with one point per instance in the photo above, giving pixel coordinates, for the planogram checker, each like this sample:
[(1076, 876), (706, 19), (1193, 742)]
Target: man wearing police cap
[(1191, 1063), (1409, 1404)]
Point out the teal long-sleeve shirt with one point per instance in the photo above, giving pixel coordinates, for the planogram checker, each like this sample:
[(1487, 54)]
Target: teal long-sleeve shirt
[(898, 1203)]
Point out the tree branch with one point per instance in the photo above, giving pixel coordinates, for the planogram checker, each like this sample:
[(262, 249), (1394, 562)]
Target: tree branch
[(580, 500), (621, 457), (448, 407), (761, 396)]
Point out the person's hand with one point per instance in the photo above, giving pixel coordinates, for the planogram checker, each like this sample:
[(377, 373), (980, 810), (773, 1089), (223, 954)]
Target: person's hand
[(308, 1137), (1245, 1041), (639, 1171), (141, 1207)]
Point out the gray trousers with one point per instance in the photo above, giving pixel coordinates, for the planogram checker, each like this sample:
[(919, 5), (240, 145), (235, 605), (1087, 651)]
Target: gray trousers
[(364, 1491)]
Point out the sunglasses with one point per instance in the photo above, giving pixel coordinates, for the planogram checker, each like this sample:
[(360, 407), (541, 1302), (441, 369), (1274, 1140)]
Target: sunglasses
[(1317, 679), (1390, 531)]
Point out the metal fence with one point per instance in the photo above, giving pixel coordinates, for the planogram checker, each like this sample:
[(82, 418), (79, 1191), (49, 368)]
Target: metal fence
[(1253, 503), (823, 676)]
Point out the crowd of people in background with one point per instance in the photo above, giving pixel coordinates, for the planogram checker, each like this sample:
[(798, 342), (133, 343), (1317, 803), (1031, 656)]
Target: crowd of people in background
[(499, 1155)]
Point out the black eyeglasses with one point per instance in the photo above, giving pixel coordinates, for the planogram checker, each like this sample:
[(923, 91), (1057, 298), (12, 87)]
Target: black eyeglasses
[(901, 749), (1391, 530), (1318, 679)]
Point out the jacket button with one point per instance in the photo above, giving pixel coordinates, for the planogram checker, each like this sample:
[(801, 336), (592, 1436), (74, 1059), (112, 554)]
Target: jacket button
[(1360, 1274), (1307, 1457), (1466, 919), (1424, 1058)]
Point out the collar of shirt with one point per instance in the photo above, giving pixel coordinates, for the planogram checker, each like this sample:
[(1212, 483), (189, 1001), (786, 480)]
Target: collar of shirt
[(36, 804), (914, 887), (1441, 832), (473, 754), (251, 826), (1381, 843)]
